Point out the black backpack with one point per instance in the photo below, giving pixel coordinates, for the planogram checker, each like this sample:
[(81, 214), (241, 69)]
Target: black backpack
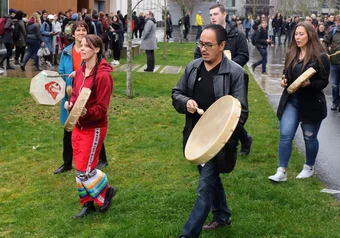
[(16, 31)]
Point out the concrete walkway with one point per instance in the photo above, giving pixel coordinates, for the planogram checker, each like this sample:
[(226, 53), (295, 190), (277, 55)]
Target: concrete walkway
[(328, 160)]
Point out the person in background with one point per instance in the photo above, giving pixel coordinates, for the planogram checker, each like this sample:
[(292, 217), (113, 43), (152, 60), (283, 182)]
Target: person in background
[(187, 25), (288, 31), (116, 29), (305, 107), (106, 30), (20, 41), (7, 39), (98, 25), (70, 61), (277, 27), (262, 42), (168, 27), (330, 22), (33, 41), (321, 31), (135, 30), (56, 39), (43, 17), (247, 25), (200, 86), (47, 31), (331, 41), (199, 24), (141, 23), (90, 131), (149, 41)]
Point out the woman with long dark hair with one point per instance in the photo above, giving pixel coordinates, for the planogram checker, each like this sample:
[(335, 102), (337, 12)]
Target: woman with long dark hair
[(89, 133), (307, 106), (19, 37), (116, 29)]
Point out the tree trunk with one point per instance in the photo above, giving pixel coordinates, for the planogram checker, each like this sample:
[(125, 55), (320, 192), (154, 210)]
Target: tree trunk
[(129, 91)]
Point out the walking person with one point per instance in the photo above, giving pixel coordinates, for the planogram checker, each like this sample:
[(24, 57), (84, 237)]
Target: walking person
[(288, 31), (70, 61), (332, 43), (168, 27), (277, 27), (116, 29), (307, 106), (34, 41), (247, 25), (19, 37), (187, 25), (149, 42), (199, 24), (141, 23), (262, 42), (7, 39), (90, 131), (47, 32), (201, 85), (56, 39)]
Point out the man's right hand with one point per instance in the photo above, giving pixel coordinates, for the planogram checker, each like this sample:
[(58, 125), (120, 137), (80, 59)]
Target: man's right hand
[(191, 106)]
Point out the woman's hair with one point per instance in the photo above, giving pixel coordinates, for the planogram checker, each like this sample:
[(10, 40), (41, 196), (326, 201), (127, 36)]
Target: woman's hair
[(79, 23), (36, 18), (314, 47), (219, 32), (94, 41), (18, 15), (117, 17)]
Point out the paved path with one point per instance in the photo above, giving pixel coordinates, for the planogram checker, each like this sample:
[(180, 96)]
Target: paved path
[(328, 160)]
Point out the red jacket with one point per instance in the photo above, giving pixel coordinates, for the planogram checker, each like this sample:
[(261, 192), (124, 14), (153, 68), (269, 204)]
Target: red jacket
[(98, 103)]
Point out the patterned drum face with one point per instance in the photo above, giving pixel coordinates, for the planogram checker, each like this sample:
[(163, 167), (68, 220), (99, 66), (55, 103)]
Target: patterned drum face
[(213, 130), (47, 88)]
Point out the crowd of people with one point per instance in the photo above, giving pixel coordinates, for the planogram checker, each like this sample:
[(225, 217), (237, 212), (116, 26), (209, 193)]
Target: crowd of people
[(52, 32)]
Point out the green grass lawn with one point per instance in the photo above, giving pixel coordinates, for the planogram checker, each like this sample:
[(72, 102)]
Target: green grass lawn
[(156, 185)]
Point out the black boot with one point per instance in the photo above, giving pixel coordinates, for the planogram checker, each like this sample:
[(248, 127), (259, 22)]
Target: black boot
[(9, 66), (87, 208), (110, 193), (22, 66), (245, 146), (102, 163)]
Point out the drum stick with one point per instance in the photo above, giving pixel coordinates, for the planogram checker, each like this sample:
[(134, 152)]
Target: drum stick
[(335, 53), (199, 111), (69, 92)]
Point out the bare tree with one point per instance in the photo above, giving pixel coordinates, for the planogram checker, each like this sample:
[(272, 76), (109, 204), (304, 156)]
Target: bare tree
[(129, 89)]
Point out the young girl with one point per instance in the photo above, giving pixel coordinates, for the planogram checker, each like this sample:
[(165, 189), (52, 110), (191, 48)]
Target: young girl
[(89, 134)]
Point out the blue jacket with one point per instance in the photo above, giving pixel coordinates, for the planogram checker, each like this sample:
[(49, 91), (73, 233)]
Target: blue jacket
[(65, 67), (47, 38)]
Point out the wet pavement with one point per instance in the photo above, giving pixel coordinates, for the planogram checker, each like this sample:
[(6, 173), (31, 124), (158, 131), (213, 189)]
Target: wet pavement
[(328, 160)]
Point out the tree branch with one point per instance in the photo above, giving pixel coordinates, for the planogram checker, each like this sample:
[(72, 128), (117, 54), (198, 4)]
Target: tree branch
[(137, 4)]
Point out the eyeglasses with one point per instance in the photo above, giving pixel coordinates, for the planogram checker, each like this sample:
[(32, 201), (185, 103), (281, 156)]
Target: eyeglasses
[(207, 46)]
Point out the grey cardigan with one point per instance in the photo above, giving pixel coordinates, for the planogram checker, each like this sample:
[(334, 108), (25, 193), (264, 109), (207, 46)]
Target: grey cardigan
[(149, 41)]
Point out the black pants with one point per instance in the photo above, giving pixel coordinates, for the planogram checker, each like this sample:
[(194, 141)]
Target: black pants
[(116, 50), (243, 135), (68, 151), (140, 32), (186, 32), (150, 57), (20, 52), (9, 51)]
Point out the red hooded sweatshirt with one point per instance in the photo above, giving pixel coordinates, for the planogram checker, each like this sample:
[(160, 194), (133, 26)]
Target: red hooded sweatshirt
[(98, 103)]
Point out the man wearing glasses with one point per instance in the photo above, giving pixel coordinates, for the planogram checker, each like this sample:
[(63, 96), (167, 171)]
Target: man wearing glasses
[(236, 42), (204, 81)]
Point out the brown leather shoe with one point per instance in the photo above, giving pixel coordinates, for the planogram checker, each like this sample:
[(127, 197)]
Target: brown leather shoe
[(213, 225)]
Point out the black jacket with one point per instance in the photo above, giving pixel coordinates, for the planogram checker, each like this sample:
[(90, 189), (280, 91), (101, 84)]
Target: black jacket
[(311, 100), (237, 44), (261, 38)]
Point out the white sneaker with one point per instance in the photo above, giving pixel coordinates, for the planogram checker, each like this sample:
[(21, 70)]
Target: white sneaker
[(117, 62), (113, 62), (280, 176), (306, 172)]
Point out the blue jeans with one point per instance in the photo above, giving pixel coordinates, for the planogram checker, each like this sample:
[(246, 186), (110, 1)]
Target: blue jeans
[(288, 125), (210, 195), (199, 31), (263, 61), (278, 31), (335, 79), (32, 50)]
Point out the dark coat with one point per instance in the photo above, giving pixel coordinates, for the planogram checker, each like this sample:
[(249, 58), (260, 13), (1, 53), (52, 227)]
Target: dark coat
[(236, 43), (141, 23), (168, 25), (8, 35), (261, 38), (311, 100), (119, 30)]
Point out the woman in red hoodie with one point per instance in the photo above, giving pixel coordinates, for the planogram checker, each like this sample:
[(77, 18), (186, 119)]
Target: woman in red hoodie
[(91, 129)]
